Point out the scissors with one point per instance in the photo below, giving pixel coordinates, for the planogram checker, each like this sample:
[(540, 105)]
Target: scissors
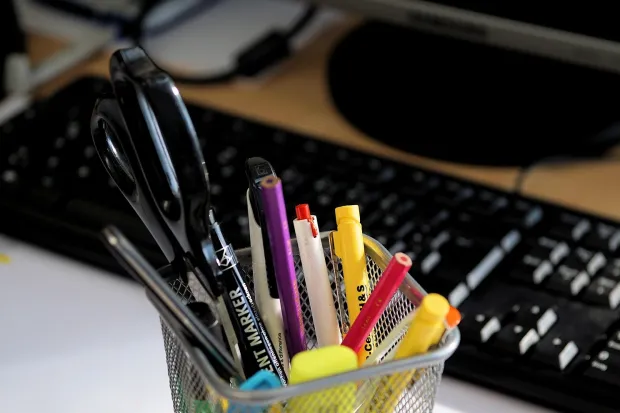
[(148, 145)]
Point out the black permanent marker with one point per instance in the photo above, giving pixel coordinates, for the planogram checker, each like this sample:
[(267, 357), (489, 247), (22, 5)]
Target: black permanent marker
[(257, 352)]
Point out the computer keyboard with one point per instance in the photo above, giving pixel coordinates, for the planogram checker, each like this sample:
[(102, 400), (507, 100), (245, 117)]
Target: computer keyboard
[(538, 285)]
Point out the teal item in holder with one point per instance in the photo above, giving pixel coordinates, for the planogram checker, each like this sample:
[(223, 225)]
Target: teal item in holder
[(262, 380)]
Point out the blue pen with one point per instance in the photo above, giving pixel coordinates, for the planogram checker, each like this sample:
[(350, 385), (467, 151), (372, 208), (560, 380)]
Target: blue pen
[(262, 380)]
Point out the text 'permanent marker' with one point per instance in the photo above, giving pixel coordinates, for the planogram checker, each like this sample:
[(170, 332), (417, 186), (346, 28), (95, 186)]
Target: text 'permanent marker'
[(257, 352)]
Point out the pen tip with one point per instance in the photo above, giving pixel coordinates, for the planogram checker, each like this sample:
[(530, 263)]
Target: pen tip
[(302, 211), (403, 259)]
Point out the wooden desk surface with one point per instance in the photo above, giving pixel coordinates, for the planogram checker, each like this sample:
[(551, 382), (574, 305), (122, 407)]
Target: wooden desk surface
[(296, 97)]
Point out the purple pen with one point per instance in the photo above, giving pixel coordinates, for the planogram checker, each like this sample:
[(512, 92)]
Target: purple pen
[(284, 265)]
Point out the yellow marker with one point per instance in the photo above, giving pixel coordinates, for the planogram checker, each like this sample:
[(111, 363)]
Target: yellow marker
[(426, 329), (276, 408), (315, 364), (349, 247), (4, 259)]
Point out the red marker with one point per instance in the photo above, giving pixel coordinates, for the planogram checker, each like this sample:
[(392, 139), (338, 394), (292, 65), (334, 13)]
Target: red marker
[(386, 287)]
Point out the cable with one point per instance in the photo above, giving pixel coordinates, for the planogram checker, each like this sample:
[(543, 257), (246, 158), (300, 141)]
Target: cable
[(134, 29), (266, 51), (303, 20)]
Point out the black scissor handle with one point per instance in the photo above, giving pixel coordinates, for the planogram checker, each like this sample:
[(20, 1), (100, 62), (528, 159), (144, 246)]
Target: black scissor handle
[(106, 126), (161, 145), (119, 158), (150, 97)]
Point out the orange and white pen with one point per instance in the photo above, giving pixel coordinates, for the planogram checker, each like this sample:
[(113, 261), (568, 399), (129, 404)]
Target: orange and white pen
[(317, 277), (386, 287)]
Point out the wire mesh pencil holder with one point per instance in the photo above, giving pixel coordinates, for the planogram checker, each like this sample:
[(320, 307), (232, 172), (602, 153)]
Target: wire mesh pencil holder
[(399, 386)]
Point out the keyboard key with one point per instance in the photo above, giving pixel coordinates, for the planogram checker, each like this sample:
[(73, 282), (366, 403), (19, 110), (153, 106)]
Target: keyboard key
[(421, 184), (555, 351), (516, 339), (612, 270), (453, 193), (484, 267), (603, 372), (442, 276), (603, 237), (579, 259), (485, 231), (548, 248), (615, 337), (458, 294), (610, 357), (487, 203), (570, 227), (430, 262), (535, 316), (603, 291), (596, 263), (532, 270), (568, 281), (511, 240), (522, 214), (546, 242), (479, 328), (558, 253), (464, 256)]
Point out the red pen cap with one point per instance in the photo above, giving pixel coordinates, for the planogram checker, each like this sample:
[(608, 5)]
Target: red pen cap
[(303, 211)]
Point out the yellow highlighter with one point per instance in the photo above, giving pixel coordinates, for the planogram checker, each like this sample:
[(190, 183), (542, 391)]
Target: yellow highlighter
[(315, 364), (349, 247), (425, 330)]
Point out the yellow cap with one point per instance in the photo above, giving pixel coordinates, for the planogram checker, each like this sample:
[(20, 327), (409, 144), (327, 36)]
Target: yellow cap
[(322, 362), (434, 307), (348, 211)]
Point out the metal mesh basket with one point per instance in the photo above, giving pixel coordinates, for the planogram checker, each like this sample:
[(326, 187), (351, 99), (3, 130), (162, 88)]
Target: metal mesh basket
[(400, 386)]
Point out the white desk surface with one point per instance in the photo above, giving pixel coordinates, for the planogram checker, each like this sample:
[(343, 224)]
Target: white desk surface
[(76, 339)]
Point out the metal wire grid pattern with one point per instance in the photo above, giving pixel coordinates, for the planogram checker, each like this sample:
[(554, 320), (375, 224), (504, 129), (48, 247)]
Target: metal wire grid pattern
[(417, 390)]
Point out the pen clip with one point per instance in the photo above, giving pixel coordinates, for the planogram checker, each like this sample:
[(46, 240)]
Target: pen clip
[(255, 170), (334, 241), (313, 228), (303, 213), (344, 327)]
